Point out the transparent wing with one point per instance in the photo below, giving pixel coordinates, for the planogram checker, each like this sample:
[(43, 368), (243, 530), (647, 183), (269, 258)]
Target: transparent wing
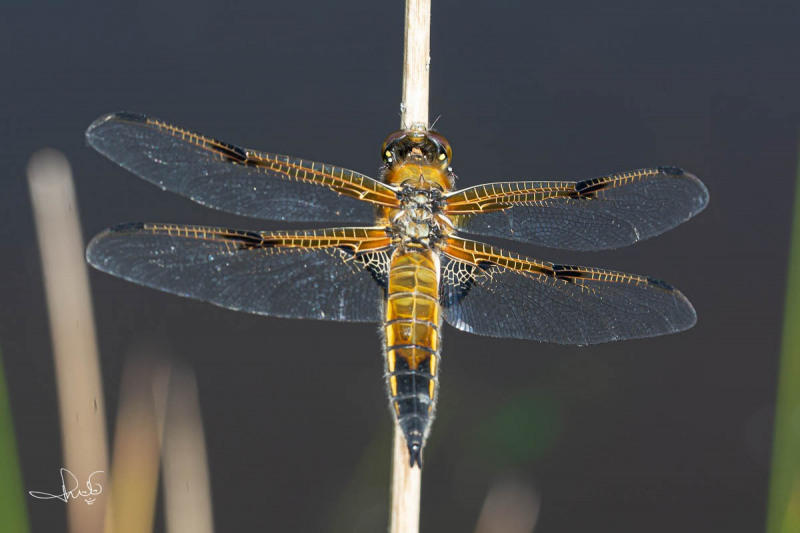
[(334, 274), (223, 176), (493, 292), (597, 214)]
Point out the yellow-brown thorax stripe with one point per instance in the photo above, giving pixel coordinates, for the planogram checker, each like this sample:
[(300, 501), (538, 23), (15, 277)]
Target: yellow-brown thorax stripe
[(411, 329), (427, 174)]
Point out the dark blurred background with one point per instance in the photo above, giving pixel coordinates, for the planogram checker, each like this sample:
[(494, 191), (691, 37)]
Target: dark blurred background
[(660, 435)]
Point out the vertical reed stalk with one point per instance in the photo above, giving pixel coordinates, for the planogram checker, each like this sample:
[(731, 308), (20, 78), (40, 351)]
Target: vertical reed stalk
[(416, 64), (135, 461), (186, 480), (407, 480), (69, 306)]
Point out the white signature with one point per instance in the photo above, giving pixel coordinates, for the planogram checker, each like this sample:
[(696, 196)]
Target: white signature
[(69, 479)]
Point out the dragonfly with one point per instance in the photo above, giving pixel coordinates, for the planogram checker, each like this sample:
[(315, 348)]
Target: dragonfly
[(399, 254)]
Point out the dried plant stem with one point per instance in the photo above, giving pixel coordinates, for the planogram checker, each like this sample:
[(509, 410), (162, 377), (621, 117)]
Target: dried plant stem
[(135, 459), (187, 489), (406, 485), (80, 393), (407, 480), (416, 64)]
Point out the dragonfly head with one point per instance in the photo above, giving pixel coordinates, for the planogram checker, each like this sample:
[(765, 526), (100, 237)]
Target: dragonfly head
[(421, 147)]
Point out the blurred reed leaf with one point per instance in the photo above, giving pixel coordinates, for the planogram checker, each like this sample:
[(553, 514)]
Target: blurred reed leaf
[(524, 428), (362, 503), (12, 503), (81, 402), (783, 511)]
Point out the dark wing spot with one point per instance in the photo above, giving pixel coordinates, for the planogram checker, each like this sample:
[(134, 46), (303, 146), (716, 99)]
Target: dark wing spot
[(130, 117), (249, 240), (660, 283), (589, 188), (568, 273), (231, 152), (126, 226), (671, 171)]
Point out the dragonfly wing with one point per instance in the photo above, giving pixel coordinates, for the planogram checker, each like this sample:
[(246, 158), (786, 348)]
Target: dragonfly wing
[(223, 176), (334, 274), (493, 292), (596, 214)]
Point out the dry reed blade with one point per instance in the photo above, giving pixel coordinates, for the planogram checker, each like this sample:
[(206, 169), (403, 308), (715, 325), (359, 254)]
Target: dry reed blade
[(407, 480), (187, 489), (77, 366), (137, 447)]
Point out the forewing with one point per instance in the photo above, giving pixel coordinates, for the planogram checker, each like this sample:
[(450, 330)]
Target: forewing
[(493, 292), (596, 214), (334, 274), (223, 176)]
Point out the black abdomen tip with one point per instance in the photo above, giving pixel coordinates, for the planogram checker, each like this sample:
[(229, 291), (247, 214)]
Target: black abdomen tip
[(414, 430), (415, 454)]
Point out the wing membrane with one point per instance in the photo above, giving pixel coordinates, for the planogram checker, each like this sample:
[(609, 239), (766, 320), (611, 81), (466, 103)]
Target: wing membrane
[(241, 181), (493, 292), (596, 214), (332, 274)]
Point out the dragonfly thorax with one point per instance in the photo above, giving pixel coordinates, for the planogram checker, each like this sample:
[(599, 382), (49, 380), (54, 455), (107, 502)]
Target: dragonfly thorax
[(420, 219)]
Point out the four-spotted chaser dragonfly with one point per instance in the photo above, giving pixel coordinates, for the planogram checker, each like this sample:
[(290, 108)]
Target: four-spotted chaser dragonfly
[(404, 262)]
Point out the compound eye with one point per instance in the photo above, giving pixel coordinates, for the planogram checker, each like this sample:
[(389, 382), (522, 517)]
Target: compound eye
[(442, 146), (389, 144), (393, 138), (439, 139)]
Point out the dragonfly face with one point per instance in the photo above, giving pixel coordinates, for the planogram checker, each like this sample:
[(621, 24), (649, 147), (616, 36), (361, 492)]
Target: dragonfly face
[(400, 259), (418, 159)]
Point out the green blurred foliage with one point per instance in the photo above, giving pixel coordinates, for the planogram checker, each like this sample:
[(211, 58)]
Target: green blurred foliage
[(521, 430), (12, 494), (783, 513)]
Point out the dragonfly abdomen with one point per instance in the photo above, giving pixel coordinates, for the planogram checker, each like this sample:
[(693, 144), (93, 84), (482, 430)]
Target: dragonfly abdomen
[(413, 342)]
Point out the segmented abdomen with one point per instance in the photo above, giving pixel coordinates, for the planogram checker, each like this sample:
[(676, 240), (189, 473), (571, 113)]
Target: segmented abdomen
[(412, 333)]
